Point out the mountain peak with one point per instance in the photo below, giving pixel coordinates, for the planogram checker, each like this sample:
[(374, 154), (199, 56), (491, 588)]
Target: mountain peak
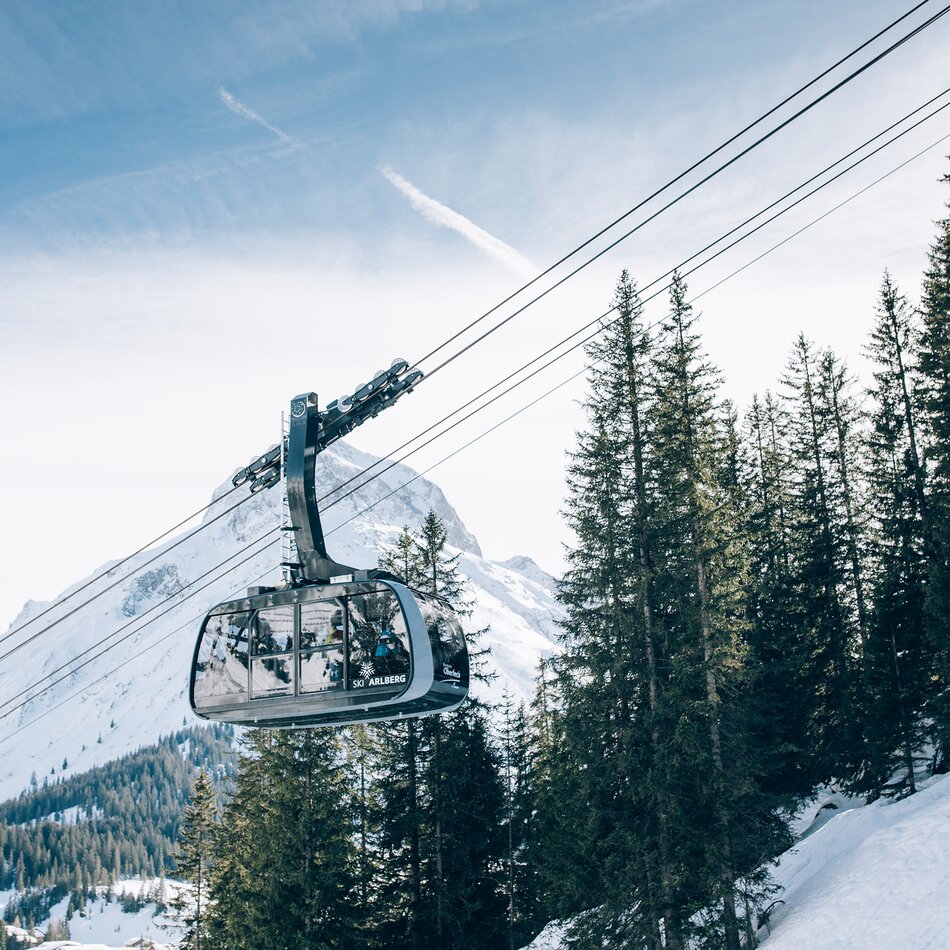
[(138, 691)]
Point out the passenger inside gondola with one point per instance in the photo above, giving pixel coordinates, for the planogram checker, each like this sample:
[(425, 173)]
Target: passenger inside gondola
[(390, 655)]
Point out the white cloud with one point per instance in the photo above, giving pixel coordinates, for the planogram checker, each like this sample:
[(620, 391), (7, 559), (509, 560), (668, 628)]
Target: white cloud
[(246, 112), (438, 213)]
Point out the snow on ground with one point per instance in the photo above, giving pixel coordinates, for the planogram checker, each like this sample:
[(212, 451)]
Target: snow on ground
[(872, 877), (73, 815), (104, 924)]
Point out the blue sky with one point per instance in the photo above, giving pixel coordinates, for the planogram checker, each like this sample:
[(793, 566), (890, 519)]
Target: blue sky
[(189, 186), (114, 124)]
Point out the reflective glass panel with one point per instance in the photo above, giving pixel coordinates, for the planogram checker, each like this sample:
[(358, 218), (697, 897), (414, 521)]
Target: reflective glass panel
[(272, 676), (379, 642), (321, 624), (221, 667), (321, 670), (274, 631), (449, 654)]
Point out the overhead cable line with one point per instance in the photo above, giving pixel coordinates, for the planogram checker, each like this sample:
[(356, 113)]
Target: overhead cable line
[(652, 283), (670, 204), (597, 320), (119, 666), (159, 554), (72, 670), (589, 366), (623, 237), (679, 177), (109, 570), (586, 368), (565, 258)]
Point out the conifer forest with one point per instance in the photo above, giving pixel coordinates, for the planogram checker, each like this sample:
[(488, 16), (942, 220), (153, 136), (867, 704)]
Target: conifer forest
[(757, 605)]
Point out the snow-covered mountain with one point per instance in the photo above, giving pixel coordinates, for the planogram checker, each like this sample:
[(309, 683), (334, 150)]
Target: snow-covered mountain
[(138, 690)]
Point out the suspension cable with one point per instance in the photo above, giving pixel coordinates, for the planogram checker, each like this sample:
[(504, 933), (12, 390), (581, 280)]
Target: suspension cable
[(511, 416)]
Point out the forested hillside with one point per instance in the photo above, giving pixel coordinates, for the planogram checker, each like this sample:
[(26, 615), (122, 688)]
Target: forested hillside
[(121, 819)]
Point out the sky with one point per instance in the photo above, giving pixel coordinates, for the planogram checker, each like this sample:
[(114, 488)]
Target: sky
[(206, 209)]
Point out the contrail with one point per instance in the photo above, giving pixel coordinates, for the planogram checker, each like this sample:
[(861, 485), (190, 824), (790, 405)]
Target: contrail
[(246, 112), (438, 213)]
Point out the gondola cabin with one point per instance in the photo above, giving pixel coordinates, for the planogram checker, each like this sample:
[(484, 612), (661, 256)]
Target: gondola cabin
[(329, 654)]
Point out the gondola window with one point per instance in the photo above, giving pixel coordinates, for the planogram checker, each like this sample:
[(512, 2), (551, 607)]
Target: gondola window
[(272, 662)]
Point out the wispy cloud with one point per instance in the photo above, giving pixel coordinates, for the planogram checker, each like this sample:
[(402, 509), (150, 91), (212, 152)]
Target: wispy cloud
[(438, 213), (246, 112)]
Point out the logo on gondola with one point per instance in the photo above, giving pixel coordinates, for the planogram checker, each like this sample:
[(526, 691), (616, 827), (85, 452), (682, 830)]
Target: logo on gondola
[(366, 670), (451, 672), (298, 408)]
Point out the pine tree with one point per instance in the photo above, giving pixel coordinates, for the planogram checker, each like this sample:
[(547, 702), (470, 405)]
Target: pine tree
[(934, 365), (845, 421), (610, 711), (439, 572), (285, 871), (819, 565), (399, 760), (402, 559), (524, 913), (432, 776), (778, 652), (701, 576), (894, 687), (193, 859)]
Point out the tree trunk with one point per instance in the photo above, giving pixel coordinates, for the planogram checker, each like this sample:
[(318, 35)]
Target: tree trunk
[(437, 809), (852, 528), (415, 882), (726, 876), (674, 938)]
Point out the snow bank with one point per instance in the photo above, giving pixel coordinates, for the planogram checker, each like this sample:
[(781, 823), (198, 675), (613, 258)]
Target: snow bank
[(874, 877), (104, 925)]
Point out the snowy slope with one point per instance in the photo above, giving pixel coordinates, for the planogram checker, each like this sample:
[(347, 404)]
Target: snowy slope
[(875, 877), (88, 722), (872, 878), (104, 924)]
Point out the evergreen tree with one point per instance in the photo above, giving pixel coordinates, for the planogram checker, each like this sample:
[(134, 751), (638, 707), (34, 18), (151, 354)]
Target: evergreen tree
[(895, 678), (778, 653), (433, 778), (845, 421), (524, 918), (819, 566), (935, 378), (438, 572), (193, 859), (615, 708), (701, 591), (402, 559), (285, 873)]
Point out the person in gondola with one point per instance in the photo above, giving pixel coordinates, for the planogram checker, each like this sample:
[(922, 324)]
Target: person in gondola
[(390, 654), (386, 656)]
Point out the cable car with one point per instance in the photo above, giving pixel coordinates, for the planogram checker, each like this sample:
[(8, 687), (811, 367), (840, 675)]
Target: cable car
[(336, 645), (329, 654)]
